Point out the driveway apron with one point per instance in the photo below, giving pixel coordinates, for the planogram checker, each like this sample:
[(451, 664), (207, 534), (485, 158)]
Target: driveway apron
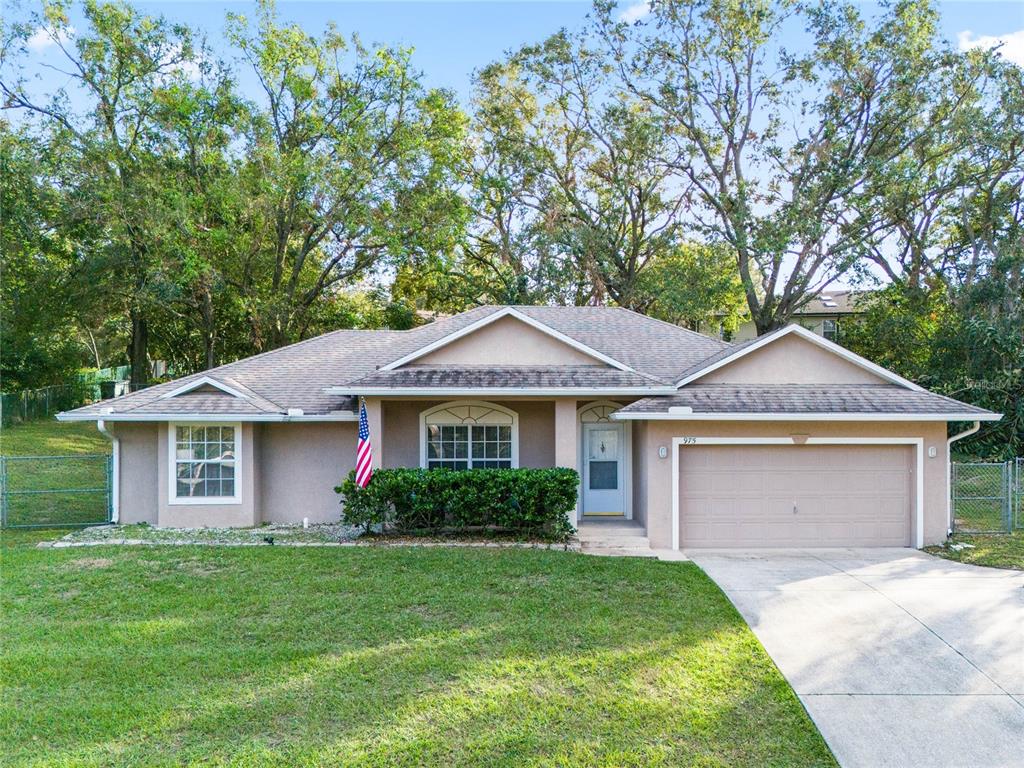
[(900, 658)]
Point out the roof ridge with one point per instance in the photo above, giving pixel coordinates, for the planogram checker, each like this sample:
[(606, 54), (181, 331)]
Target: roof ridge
[(672, 325)]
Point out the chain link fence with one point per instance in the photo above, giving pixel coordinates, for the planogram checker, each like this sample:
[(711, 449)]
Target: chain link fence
[(988, 497), (55, 491), (87, 387)]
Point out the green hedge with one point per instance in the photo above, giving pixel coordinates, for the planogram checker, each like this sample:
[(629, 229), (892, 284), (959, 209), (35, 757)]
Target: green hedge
[(533, 501)]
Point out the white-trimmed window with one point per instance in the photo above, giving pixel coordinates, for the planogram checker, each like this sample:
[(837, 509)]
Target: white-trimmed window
[(830, 329), (204, 463), (469, 435)]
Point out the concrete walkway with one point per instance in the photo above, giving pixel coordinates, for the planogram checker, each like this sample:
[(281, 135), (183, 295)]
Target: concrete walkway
[(902, 659)]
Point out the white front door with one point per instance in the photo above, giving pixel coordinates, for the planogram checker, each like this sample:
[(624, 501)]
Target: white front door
[(603, 469)]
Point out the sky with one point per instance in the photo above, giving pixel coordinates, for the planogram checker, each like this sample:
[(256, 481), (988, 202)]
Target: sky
[(452, 39)]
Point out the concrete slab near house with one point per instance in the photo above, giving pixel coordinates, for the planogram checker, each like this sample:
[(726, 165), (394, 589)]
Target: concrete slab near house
[(613, 536), (900, 658)]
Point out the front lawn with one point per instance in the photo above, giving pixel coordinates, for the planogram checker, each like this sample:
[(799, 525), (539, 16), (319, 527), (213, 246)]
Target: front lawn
[(995, 551), (393, 656)]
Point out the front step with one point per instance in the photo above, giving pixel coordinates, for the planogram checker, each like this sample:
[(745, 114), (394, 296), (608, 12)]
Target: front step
[(614, 537)]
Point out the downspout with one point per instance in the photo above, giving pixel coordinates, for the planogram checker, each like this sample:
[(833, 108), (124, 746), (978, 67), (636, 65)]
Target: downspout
[(949, 472), (115, 471)]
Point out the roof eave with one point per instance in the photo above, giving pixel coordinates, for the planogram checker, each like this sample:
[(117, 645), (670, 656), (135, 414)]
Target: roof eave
[(819, 416), (535, 391), (71, 416)]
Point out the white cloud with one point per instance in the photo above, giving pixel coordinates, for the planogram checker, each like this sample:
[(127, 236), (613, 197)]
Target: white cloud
[(635, 12), (190, 68), (43, 37), (1011, 44)]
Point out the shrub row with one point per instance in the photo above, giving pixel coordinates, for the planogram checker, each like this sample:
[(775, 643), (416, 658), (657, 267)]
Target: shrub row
[(533, 501)]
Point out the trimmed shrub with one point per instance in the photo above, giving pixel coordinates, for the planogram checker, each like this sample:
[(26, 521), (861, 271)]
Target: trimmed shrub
[(533, 501)]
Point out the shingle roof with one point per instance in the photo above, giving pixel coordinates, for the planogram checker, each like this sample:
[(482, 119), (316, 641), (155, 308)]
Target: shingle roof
[(200, 402), (844, 302), (803, 398), (584, 376), (296, 376)]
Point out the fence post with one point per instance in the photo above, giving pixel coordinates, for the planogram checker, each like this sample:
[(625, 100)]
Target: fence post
[(1019, 494), (3, 491), (1009, 496)]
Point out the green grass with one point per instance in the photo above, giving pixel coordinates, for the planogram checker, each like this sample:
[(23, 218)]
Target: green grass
[(64, 480), (52, 438), (381, 657), (999, 551)]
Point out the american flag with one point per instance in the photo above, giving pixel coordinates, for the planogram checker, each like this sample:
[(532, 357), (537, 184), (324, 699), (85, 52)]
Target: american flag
[(364, 450)]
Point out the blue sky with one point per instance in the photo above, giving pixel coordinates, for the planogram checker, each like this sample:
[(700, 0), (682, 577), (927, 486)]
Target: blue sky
[(452, 39)]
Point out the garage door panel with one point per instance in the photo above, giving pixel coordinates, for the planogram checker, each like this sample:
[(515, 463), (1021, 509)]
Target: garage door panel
[(729, 482), (744, 496)]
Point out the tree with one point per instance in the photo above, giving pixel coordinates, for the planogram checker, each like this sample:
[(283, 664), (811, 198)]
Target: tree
[(946, 201), (779, 147), (37, 313), (606, 198), (119, 69), (349, 164), (695, 286)]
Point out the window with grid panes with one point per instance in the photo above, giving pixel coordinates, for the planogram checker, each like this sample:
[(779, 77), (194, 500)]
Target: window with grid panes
[(204, 462), (469, 446)]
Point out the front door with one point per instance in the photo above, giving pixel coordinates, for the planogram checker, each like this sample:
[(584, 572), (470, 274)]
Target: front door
[(602, 469)]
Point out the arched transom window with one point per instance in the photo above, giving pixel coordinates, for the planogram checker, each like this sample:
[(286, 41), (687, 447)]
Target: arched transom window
[(598, 413), (469, 435)]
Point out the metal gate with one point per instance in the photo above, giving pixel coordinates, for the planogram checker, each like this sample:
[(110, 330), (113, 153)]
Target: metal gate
[(55, 491), (988, 497)]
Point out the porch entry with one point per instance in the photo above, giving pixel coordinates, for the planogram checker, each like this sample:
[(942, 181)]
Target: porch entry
[(603, 451)]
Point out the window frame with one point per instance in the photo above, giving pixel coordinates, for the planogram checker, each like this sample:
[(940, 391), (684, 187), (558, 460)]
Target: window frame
[(440, 415), (834, 331), (172, 465)]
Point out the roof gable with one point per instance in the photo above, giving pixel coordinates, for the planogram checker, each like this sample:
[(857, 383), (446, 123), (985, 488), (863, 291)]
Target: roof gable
[(206, 383), (506, 337), (791, 355)]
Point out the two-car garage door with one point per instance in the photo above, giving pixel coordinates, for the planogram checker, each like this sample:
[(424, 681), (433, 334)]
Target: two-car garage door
[(794, 495)]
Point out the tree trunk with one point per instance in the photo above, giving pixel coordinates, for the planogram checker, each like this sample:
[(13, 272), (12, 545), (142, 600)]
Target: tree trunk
[(138, 350), (209, 330)]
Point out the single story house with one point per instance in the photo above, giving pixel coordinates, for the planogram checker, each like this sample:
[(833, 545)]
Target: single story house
[(785, 440)]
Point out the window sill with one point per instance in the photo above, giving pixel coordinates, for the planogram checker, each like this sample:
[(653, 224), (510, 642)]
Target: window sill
[(212, 501)]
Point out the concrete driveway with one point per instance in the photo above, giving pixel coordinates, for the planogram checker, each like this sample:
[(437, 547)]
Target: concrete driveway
[(901, 659)]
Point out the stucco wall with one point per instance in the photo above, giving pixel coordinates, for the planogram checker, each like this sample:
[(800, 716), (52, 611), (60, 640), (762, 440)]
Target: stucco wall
[(299, 464), (791, 360), (241, 515), (507, 342), (139, 480), (657, 498), (401, 430), (641, 465)]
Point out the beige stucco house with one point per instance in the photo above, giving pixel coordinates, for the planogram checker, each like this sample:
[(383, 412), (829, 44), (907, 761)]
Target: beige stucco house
[(785, 440)]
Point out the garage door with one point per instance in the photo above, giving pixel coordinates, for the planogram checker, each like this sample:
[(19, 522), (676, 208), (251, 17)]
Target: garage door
[(794, 495)]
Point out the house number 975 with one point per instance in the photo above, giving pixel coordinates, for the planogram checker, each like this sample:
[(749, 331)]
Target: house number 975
[(687, 440)]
